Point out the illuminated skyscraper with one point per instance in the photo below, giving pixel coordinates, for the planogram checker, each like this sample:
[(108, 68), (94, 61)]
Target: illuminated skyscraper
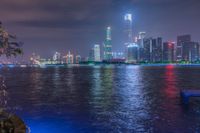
[(132, 53), (57, 58), (91, 55), (131, 49), (108, 45), (140, 41), (181, 40), (78, 59), (156, 51), (187, 50), (168, 51), (128, 35), (97, 53), (190, 51), (152, 51), (108, 33), (69, 58)]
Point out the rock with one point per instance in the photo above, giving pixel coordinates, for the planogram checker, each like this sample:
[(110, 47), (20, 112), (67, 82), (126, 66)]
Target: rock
[(10, 123)]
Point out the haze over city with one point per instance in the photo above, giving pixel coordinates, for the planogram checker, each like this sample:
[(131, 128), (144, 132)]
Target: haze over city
[(78, 25)]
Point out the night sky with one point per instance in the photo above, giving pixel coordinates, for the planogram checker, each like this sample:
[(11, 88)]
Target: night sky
[(46, 26)]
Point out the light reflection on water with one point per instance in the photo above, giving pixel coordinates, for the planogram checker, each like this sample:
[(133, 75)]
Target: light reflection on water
[(104, 98)]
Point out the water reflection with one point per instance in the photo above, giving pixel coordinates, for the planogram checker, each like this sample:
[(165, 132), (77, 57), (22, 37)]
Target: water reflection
[(104, 98), (133, 100), (170, 82)]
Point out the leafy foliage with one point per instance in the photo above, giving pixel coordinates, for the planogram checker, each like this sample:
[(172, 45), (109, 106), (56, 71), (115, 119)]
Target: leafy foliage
[(8, 44)]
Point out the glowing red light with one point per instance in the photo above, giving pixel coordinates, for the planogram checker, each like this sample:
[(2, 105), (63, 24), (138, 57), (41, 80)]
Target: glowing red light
[(170, 67)]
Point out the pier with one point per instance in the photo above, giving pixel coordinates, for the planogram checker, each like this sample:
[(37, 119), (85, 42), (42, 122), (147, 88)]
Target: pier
[(186, 94)]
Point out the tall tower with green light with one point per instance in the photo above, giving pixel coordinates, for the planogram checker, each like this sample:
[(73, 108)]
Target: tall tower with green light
[(108, 45)]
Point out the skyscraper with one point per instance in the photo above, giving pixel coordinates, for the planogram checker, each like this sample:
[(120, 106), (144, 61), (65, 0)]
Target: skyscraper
[(108, 45), (78, 59), (180, 40), (128, 35), (140, 42), (190, 51), (168, 51), (91, 55), (97, 56), (152, 50), (132, 53), (69, 58), (156, 51), (187, 50), (57, 58)]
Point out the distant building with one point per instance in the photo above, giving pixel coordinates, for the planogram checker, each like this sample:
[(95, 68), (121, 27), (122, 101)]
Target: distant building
[(128, 33), (180, 41), (78, 59), (145, 56), (168, 51), (57, 58), (97, 55), (69, 58), (187, 50), (156, 50), (151, 50), (190, 51), (107, 46), (140, 41), (132, 53), (35, 59), (91, 55)]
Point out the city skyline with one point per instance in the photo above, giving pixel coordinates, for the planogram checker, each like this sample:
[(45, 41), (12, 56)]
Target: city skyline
[(77, 31)]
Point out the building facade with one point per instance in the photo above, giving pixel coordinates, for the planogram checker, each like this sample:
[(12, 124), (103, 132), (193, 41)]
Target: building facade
[(168, 52), (69, 58), (57, 58), (190, 51), (156, 50), (132, 53), (91, 55), (107, 45), (128, 33), (78, 59), (151, 51), (97, 55), (181, 40), (187, 50)]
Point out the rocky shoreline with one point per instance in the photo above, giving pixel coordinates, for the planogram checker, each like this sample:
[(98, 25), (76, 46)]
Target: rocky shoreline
[(10, 123)]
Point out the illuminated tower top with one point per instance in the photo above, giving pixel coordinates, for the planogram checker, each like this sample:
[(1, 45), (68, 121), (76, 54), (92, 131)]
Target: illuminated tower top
[(128, 29), (128, 17), (108, 33)]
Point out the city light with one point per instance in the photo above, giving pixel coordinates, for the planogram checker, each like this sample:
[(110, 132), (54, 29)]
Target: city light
[(128, 17), (132, 45)]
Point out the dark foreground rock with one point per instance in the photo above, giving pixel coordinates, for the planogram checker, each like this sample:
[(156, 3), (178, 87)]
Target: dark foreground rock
[(10, 123)]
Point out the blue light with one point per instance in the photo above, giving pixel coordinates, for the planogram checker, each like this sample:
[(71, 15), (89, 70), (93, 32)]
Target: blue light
[(11, 65), (49, 126)]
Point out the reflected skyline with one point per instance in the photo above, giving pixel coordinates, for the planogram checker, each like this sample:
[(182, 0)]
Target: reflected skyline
[(104, 98)]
